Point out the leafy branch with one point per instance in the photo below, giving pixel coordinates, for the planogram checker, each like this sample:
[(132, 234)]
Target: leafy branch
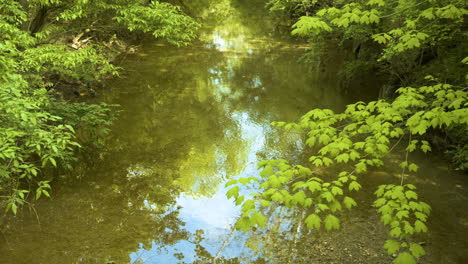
[(360, 137)]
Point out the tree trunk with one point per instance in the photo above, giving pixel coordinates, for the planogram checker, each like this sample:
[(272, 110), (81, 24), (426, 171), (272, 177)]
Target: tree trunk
[(39, 20)]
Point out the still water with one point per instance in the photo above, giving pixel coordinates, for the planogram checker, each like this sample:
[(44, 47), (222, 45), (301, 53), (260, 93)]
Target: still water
[(192, 118)]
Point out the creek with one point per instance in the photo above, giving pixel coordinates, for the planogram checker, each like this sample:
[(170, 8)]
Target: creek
[(192, 118)]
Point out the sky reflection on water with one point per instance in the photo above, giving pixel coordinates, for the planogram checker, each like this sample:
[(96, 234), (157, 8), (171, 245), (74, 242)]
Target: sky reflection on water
[(215, 215)]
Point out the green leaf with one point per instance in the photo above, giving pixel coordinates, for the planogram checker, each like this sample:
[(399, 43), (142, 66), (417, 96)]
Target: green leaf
[(408, 228), (331, 222), (397, 194), (402, 214), (353, 155), (395, 232), (14, 208), (243, 224), (336, 190), (386, 219), (403, 164), (245, 181), (376, 2), (374, 18), (421, 216), (314, 186), (304, 171), (308, 25), (313, 221), (267, 171), (240, 199), (354, 185), (405, 258), (248, 206), (311, 141), (328, 196), (342, 158), (343, 179), (425, 148), (318, 162), (259, 219), (380, 191), (361, 167), (231, 182), (425, 208), (233, 192), (413, 167), (299, 197), (327, 162), (349, 202), (411, 195), (420, 226), (52, 160), (417, 250), (391, 246), (277, 197), (380, 202), (322, 207), (46, 193), (359, 145), (324, 139)]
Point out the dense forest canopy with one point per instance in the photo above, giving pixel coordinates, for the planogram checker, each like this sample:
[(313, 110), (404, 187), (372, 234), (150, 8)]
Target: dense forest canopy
[(53, 50)]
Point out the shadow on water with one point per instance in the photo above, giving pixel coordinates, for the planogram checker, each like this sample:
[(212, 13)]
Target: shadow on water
[(192, 118)]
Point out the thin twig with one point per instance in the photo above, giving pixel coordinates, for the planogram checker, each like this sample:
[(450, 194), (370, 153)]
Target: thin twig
[(396, 144), (225, 242), (406, 160)]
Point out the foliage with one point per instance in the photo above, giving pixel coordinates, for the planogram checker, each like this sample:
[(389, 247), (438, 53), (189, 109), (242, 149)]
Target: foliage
[(352, 142), (56, 61), (30, 139), (162, 20), (406, 40), (398, 26), (90, 121), (400, 209), (38, 130), (292, 7), (409, 38), (402, 40)]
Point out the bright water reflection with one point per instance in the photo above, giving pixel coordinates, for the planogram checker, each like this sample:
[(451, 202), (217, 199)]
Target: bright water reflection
[(211, 211), (214, 214)]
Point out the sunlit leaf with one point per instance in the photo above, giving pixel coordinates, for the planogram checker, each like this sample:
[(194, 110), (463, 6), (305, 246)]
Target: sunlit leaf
[(331, 222), (313, 221), (391, 246), (405, 258)]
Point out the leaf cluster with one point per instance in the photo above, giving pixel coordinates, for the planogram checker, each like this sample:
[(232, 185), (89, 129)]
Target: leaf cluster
[(357, 139), (400, 209)]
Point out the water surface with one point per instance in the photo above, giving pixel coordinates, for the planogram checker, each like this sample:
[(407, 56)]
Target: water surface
[(191, 119)]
